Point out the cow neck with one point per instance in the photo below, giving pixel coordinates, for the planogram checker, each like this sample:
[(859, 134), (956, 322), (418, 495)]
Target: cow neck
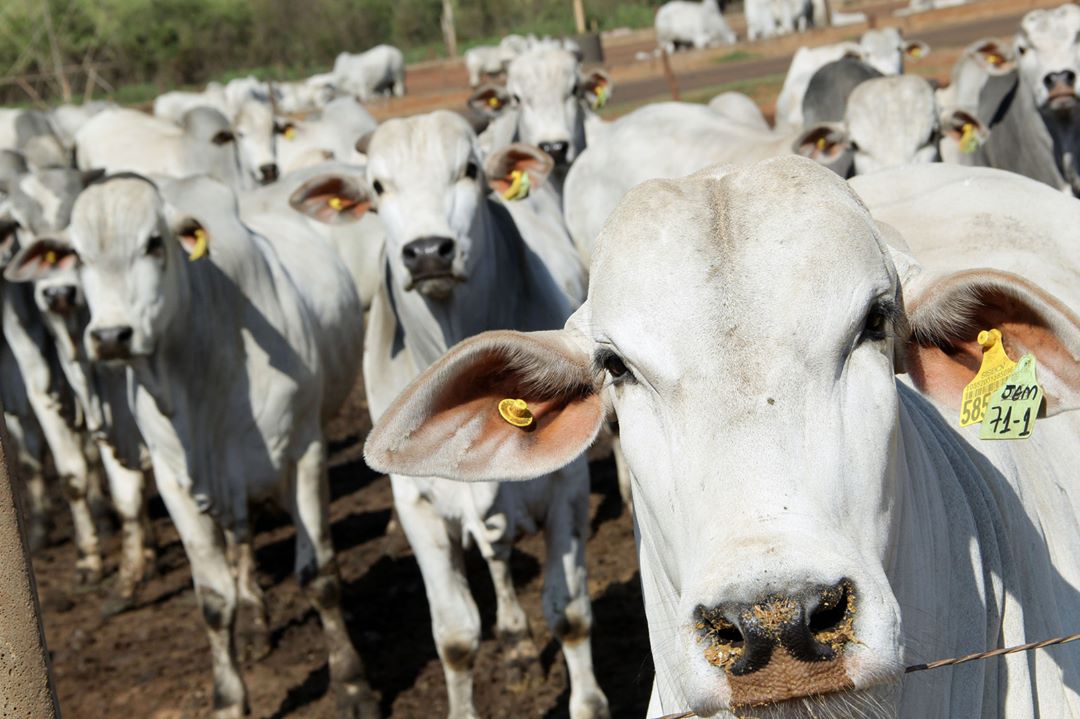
[(488, 300)]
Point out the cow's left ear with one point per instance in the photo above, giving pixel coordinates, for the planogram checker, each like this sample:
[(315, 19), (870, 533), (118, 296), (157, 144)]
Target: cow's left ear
[(333, 199), (828, 144), (965, 129), (499, 406), (595, 88), (915, 49), (193, 237), (514, 170), (40, 259), (946, 314), (489, 101), (996, 59)]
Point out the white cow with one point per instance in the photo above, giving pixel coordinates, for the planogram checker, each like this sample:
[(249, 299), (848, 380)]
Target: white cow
[(330, 136), (380, 70), (808, 523), (490, 61), (172, 106), (769, 18), (884, 50), (122, 140), (67, 119), (684, 23), (303, 96), (238, 359), (456, 264), (31, 134)]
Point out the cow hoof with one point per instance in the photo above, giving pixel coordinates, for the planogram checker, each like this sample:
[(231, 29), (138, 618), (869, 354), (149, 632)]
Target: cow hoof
[(253, 643), (356, 700), (522, 662), (117, 603), (86, 580), (592, 706)]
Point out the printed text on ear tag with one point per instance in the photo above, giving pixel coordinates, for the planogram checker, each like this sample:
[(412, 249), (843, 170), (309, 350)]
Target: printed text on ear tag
[(516, 412), (199, 249), (519, 186), (1013, 407), (996, 368), (969, 141)]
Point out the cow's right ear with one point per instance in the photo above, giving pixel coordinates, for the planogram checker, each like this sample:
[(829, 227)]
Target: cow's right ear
[(515, 169), (828, 144), (333, 199), (489, 100), (40, 259), (915, 49), (501, 405), (994, 58), (965, 129)]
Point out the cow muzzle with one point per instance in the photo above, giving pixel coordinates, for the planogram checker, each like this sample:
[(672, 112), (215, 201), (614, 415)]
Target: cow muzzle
[(782, 647), (430, 262), (112, 343), (1061, 90), (557, 150), (268, 173), (60, 299)]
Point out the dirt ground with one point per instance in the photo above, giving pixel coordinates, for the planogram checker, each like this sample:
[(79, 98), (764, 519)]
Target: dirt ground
[(154, 661)]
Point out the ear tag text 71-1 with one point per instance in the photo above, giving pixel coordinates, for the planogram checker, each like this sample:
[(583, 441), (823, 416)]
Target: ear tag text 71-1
[(1014, 406), (996, 368)]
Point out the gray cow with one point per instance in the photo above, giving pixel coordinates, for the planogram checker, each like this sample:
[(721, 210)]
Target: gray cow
[(238, 360)]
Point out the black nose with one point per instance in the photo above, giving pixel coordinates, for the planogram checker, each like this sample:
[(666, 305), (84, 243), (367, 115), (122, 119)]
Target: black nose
[(268, 172), (813, 625), (1065, 77), (112, 342), (429, 256), (557, 150), (60, 298)]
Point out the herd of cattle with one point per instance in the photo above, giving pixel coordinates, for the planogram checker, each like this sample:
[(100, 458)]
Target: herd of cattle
[(779, 341)]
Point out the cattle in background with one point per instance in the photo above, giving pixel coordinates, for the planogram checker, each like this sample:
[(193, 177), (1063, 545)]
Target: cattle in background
[(917, 527), (31, 134), (489, 62), (457, 264), (329, 136), (238, 360), (959, 102), (698, 25), (67, 119), (173, 105), (1035, 116), (884, 50), (122, 140), (378, 71), (769, 18)]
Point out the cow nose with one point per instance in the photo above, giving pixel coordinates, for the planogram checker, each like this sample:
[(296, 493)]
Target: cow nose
[(112, 342), (428, 256), (1066, 78), (557, 150), (268, 172), (60, 298), (814, 625)]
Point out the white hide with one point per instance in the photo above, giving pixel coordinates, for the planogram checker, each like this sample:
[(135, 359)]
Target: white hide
[(697, 24)]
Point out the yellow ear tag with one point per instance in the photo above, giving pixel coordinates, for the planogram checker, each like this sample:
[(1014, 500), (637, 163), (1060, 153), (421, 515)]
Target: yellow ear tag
[(969, 141), (821, 143), (519, 186), (50, 257), (1014, 406), (601, 96), (290, 133), (516, 412), (996, 368), (494, 102), (336, 203), (199, 249), (995, 59), (915, 52)]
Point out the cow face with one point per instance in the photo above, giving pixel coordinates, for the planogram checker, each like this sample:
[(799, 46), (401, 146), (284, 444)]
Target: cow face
[(760, 417), (1048, 54), (547, 93), (256, 135)]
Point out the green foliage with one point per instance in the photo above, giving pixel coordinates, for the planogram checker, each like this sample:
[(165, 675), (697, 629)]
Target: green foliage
[(165, 44)]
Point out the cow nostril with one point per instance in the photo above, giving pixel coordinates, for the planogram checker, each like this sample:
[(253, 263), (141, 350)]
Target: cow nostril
[(446, 248), (124, 335), (409, 252), (832, 612)]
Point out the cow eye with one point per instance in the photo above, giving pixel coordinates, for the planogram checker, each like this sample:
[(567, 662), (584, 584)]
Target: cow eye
[(876, 325), (471, 170), (516, 99), (378, 187), (155, 246), (611, 363)]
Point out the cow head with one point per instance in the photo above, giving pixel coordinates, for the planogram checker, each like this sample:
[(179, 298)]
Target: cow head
[(1048, 54), (550, 95), (759, 415), (886, 50), (256, 136), (426, 180), (212, 144)]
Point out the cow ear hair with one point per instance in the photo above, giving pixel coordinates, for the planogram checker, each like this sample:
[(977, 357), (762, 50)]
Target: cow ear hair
[(331, 199), (40, 259), (518, 157), (453, 421), (946, 313)]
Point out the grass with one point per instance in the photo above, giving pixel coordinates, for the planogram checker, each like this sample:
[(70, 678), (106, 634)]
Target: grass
[(737, 56)]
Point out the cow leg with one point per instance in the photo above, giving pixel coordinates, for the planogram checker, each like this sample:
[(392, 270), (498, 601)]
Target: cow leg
[(455, 620), (215, 589), (318, 573), (127, 488), (566, 595), (511, 624), (95, 489), (253, 638)]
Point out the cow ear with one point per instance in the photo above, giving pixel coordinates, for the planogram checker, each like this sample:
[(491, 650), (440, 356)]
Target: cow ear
[(515, 169), (40, 259), (965, 129), (946, 314), (332, 199), (192, 236), (993, 58), (915, 49), (595, 88), (489, 101), (826, 142), (285, 128), (455, 420), (362, 143)]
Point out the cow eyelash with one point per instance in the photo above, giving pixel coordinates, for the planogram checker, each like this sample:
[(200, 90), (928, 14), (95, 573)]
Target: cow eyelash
[(881, 316), (607, 362)]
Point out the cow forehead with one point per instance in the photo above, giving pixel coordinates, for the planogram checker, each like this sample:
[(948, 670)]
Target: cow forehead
[(903, 104), (114, 215), (542, 68), (1053, 28), (779, 248), (426, 146)]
